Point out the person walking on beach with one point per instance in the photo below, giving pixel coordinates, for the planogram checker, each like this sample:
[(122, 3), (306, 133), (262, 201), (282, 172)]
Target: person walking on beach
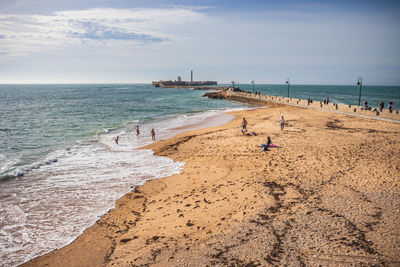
[(137, 130), (381, 106), (282, 123), (153, 135), (117, 140), (244, 124), (390, 106)]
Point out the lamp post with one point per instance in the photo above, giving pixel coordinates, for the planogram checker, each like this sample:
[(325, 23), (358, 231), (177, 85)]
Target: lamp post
[(253, 85), (233, 84), (288, 86), (359, 82)]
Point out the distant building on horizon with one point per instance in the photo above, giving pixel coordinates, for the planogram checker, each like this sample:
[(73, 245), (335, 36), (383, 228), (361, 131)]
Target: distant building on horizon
[(180, 83)]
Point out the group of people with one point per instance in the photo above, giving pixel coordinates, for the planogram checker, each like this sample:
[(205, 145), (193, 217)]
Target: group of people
[(365, 106), (264, 147), (257, 93), (152, 133), (381, 106), (244, 128)]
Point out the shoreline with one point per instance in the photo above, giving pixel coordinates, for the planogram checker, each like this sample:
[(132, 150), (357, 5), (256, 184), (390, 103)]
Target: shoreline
[(217, 118), (146, 227)]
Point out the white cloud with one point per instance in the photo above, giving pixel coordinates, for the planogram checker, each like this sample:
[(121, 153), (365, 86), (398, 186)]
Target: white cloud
[(26, 34)]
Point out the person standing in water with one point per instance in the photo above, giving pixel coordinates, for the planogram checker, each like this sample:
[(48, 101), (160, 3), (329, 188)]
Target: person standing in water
[(153, 135), (137, 130), (282, 123), (116, 140)]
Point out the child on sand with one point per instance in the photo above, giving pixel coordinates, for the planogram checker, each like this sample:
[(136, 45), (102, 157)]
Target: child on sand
[(282, 123), (153, 135)]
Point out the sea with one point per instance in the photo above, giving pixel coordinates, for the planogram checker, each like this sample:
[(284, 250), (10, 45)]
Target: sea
[(61, 168)]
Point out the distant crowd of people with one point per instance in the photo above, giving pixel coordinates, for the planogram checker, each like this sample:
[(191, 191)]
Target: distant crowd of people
[(364, 106)]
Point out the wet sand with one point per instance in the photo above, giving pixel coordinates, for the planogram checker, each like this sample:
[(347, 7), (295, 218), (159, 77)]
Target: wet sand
[(329, 195)]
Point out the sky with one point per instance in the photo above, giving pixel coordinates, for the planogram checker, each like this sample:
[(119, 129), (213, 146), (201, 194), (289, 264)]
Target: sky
[(129, 41)]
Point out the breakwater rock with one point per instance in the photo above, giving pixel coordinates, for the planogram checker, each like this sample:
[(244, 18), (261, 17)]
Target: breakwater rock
[(215, 95)]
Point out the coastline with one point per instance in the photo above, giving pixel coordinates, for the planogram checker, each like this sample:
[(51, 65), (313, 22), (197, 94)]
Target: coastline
[(232, 204)]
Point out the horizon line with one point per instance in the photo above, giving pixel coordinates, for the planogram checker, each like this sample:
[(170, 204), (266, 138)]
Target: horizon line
[(149, 83)]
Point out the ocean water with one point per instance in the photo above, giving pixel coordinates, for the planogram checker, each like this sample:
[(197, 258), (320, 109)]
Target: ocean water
[(60, 168), (345, 94)]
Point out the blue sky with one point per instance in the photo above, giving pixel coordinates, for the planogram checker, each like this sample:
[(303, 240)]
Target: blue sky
[(121, 41)]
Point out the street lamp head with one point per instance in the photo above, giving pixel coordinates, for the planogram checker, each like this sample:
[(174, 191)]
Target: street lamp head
[(288, 85), (359, 81)]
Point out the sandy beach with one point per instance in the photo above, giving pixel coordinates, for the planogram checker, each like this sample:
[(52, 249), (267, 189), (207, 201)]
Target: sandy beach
[(328, 195)]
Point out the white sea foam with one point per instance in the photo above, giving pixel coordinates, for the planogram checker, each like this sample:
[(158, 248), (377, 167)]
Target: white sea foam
[(57, 198), (54, 203)]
